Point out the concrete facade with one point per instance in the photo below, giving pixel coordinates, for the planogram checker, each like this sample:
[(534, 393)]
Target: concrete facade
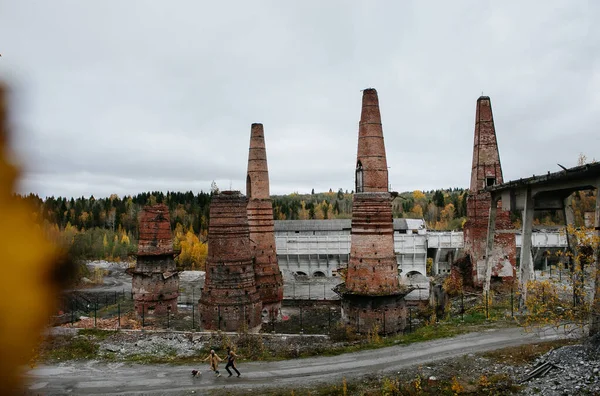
[(320, 248), (155, 282), (486, 171), (269, 282), (229, 301)]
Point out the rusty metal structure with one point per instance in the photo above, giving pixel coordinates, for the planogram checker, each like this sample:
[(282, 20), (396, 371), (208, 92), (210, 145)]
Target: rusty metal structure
[(269, 282), (229, 301), (155, 283), (372, 296), (486, 172)]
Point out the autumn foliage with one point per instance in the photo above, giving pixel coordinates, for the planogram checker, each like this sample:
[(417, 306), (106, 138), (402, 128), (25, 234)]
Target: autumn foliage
[(193, 251), (568, 297)]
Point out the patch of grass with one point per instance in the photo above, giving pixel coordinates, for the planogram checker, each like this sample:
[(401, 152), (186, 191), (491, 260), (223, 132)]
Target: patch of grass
[(98, 334), (77, 348), (470, 318), (415, 385), (526, 353)]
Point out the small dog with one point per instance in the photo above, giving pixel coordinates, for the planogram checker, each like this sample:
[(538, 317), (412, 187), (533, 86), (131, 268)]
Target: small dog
[(195, 373)]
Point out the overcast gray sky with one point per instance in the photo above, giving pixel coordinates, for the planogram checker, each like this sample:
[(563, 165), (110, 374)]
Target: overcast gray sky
[(130, 96)]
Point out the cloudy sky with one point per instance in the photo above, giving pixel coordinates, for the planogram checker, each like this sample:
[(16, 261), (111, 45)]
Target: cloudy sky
[(131, 96)]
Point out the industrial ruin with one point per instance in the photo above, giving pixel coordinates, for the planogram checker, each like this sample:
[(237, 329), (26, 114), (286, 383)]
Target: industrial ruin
[(269, 282), (487, 172), (384, 259), (155, 283), (371, 295), (230, 300)]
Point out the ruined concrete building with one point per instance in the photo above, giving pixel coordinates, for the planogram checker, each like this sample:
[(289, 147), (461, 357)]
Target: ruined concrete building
[(155, 283), (229, 301), (269, 282), (485, 172), (372, 295)]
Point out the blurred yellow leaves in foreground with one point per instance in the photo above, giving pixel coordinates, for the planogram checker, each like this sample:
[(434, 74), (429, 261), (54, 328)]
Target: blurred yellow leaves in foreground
[(30, 265)]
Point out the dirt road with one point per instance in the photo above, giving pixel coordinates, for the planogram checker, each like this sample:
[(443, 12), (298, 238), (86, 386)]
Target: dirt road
[(95, 378)]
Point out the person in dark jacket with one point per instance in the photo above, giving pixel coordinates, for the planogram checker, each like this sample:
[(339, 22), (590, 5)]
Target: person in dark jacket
[(231, 362)]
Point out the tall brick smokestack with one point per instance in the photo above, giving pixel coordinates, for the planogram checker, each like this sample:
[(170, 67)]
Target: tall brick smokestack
[(269, 282), (486, 171), (372, 288), (257, 180), (229, 299), (155, 283), (372, 268), (371, 163)]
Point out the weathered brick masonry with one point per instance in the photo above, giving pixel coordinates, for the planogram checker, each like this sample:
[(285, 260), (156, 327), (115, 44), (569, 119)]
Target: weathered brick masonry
[(155, 283), (371, 163), (486, 171), (229, 299), (269, 282), (372, 294)]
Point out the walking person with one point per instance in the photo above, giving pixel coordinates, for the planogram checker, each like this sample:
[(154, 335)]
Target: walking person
[(213, 361), (231, 362)]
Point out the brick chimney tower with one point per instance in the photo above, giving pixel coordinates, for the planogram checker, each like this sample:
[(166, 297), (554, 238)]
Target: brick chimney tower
[(269, 282), (371, 163), (229, 299), (372, 294), (155, 283), (486, 171)]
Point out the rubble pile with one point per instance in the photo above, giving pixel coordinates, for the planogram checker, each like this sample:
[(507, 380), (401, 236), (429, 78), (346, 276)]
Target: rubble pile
[(573, 370), (159, 345)]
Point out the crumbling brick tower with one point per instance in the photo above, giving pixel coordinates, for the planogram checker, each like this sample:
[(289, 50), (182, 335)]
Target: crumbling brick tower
[(269, 282), (372, 295), (155, 283), (487, 171), (229, 299)]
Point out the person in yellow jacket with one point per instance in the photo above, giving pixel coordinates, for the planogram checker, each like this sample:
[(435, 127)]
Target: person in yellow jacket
[(213, 360)]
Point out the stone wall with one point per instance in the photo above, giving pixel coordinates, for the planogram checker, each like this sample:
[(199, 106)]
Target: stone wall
[(387, 314)]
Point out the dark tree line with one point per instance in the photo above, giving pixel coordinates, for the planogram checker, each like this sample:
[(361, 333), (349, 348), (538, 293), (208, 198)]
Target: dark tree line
[(114, 213)]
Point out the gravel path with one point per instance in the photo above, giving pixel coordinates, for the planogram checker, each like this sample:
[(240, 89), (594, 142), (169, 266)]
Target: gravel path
[(97, 378)]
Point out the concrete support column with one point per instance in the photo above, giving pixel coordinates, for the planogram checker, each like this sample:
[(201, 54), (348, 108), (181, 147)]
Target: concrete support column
[(526, 269), (595, 320), (436, 261), (490, 245), (569, 221)]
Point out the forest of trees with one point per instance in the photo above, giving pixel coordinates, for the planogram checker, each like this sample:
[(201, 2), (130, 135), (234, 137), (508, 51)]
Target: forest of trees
[(107, 228), (441, 209)]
